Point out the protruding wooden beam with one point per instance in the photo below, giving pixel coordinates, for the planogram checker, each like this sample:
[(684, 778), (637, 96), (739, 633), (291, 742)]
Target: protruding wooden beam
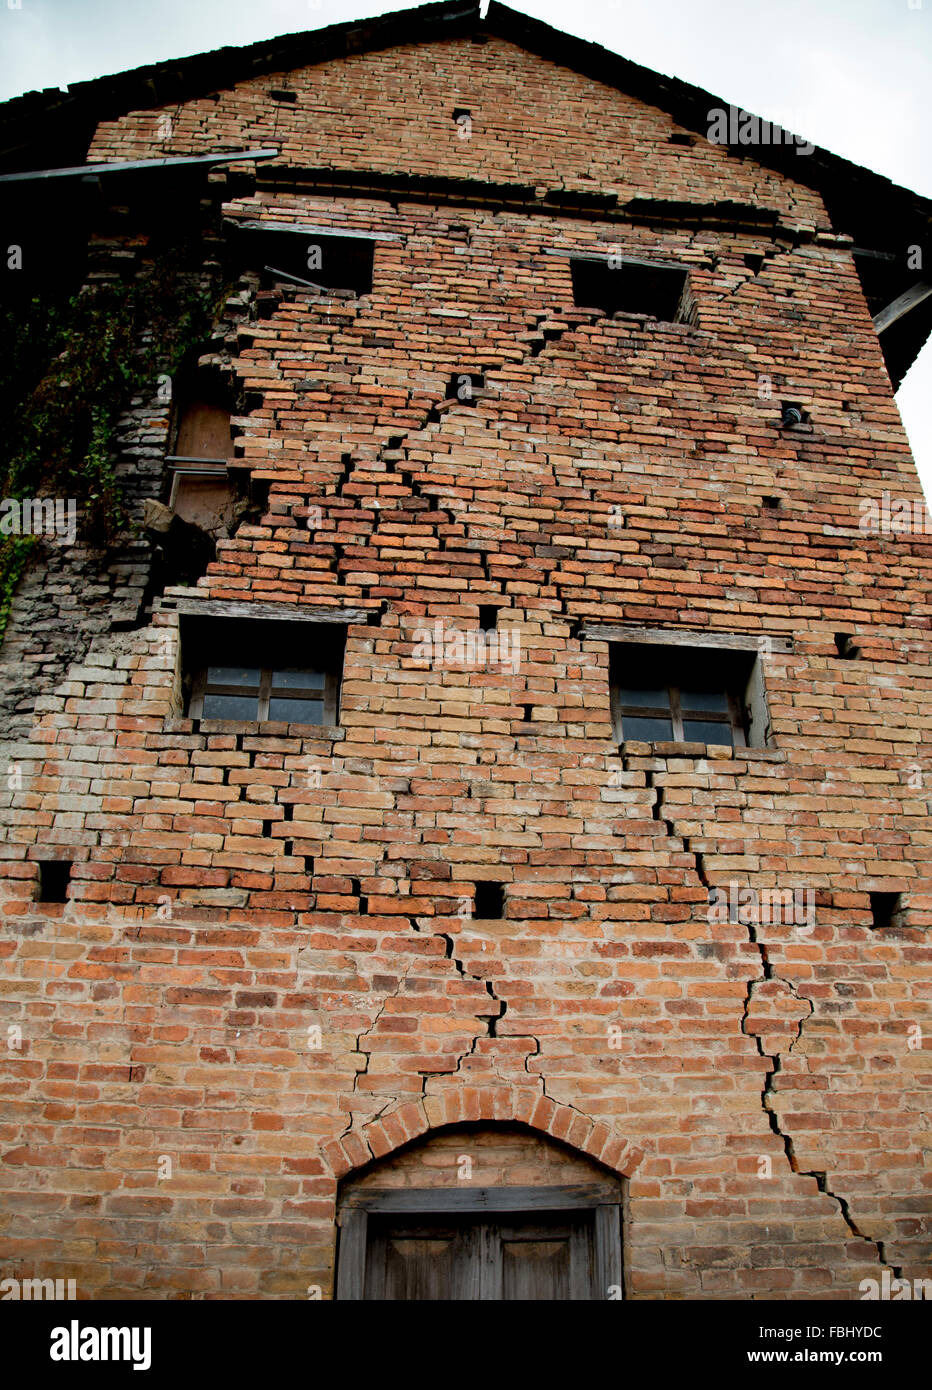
[(908, 300)]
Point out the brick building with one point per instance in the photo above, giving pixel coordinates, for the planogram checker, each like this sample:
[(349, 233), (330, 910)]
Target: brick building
[(467, 828)]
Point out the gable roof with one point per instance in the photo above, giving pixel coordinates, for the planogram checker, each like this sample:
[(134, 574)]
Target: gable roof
[(54, 128)]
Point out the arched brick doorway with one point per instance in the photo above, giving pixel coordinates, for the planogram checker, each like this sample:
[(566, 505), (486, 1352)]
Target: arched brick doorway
[(484, 1212)]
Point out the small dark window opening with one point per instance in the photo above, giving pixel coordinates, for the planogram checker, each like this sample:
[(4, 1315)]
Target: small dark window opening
[(845, 646), (631, 287), (54, 876), (681, 137), (771, 503), (488, 617), (886, 910), (320, 260), (490, 900), (252, 670), (678, 694), (464, 387), (282, 94)]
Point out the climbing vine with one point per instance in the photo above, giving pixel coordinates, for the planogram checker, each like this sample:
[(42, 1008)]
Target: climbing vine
[(70, 366)]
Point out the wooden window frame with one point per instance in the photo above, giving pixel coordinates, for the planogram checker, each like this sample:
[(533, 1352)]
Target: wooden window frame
[(750, 693), (733, 719), (329, 696), (279, 628), (603, 1199)]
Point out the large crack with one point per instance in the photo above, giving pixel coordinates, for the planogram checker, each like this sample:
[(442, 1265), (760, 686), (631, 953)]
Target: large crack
[(775, 1059)]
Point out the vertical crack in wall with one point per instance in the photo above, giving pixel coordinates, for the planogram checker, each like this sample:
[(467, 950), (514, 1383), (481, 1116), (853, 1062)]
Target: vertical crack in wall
[(775, 1059)]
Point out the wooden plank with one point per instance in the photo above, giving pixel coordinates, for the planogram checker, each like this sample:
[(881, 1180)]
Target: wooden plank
[(901, 306), (307, 229), (194, 606), (127, 166), (601, 254), (478, 1199), (608, 1261), (351, 1254), (669, 637)]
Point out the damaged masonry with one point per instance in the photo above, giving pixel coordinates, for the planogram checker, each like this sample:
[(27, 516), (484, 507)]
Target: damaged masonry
[(465, 753)]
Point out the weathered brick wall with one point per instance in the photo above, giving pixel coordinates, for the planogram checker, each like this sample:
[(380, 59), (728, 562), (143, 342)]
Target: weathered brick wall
[(759, 1089)]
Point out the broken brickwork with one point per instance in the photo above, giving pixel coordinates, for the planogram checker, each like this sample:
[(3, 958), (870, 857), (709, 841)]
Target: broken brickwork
[(268, 969)]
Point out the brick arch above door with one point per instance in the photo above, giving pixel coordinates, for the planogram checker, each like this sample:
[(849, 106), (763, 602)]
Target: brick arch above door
[(475, 1104)]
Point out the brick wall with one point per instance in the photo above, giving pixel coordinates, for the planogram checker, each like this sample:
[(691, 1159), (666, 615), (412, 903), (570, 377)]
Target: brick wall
[(238, 887)]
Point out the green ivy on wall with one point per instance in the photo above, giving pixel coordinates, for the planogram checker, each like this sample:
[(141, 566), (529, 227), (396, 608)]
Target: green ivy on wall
[(69, 368)]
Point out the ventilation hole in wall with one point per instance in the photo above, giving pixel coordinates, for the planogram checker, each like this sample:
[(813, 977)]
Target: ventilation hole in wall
[(845, 646), (259, 493), (463, 387), (395, 442), (460, 113), (267, 829), (771, 503), (289, 847), (283, 94), (490, 900), (754, 262), (54, 876), (886, 910), (681, 137), (288, 808), (309, 866), (488, 617), (792, 415)]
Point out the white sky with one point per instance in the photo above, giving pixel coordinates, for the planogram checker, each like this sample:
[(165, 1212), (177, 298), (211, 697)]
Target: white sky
[(854, 76)]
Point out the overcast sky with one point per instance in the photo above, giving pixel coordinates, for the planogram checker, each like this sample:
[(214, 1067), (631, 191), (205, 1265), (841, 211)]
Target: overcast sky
[(854, 76)]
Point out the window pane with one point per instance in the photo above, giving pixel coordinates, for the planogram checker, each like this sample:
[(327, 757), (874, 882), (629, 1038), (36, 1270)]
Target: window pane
[(659, 729), (651, 699), (233, 675), (297, 680), (702, 731), (705, 701), (297, 711), (230, 707)]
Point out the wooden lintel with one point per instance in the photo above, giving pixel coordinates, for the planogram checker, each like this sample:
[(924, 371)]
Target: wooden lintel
[(666, 637), (191, 607)]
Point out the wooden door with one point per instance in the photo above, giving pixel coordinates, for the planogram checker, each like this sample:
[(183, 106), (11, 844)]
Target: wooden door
[(540, 1256)]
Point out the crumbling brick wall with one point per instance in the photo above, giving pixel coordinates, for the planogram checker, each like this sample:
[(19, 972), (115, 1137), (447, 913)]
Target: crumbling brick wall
[(758, 1088)]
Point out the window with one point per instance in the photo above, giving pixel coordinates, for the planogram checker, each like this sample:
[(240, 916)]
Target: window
[(323, 258), (631, 286), (674, 692), (287, 695), (201, 490), (258, 670)]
